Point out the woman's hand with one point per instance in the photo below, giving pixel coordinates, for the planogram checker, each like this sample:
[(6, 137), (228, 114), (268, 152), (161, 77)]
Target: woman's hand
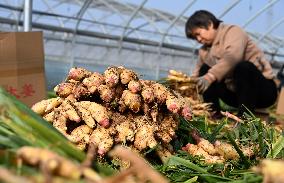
[(202, 84)]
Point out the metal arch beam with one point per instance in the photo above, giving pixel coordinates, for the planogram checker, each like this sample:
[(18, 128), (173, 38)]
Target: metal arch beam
[(161, 16), (275, 43), (51, 10), (118, 13), (268, 5), (140, 26), (129, 21), (20, 9), (174, 21), (124, 9), (58, 4), (271, 29), (267, 41), (231, 6), (273, 40), (149, 20), (15, 16), (102, 27), (146, 17), (79, 15), (279, 47), (60, 20), (113, 9), (105, 16), (58, 17), (104, 36)]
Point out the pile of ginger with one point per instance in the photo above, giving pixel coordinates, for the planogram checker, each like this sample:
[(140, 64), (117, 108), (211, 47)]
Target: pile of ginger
[(216, 153), (115, 107)]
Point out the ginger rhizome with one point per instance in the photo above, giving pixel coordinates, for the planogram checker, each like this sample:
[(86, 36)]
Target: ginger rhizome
[(115, 107)]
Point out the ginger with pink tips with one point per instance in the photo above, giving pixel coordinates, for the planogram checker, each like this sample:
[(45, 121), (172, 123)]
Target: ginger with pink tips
[(111, 76), (78, 74), (102, 137), (127, 75), (100, 114), (93, 82), (64, 89), (134, 86), (131, 100), (161, 93), (80, 133), (107, 94), (148, 94), (173, 104)]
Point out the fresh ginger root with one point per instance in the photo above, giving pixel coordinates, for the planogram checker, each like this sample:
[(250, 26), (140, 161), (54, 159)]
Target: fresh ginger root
[(160, 92), (93, 82), (98, 112), (40, 107), (226, 150), (111, 75), (80, 133), (103, 139), (85, 114), (134, 86), (195, 150), (49, 117), (203, 143), (166, 129), (127, 75), (45, 106), (8, 176), (106, 93), (144, 136), (272, 170), (78, 74), (163, 153), (70, 111), (80, 91), (221, 149), (125, 128), (148, 94), (52, 162), (173, 104), (131, 100), (90, 99), (64, 89), (138, 168), (60, 120)]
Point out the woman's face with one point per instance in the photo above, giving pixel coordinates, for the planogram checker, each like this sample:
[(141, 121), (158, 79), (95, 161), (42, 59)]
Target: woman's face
[(205, 36)]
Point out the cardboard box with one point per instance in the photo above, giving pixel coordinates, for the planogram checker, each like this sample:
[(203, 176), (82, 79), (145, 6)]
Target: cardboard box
[(22, 65), (280, 103)]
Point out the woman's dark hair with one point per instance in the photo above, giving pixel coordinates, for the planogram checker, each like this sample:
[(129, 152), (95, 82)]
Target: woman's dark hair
[(200, 19)]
